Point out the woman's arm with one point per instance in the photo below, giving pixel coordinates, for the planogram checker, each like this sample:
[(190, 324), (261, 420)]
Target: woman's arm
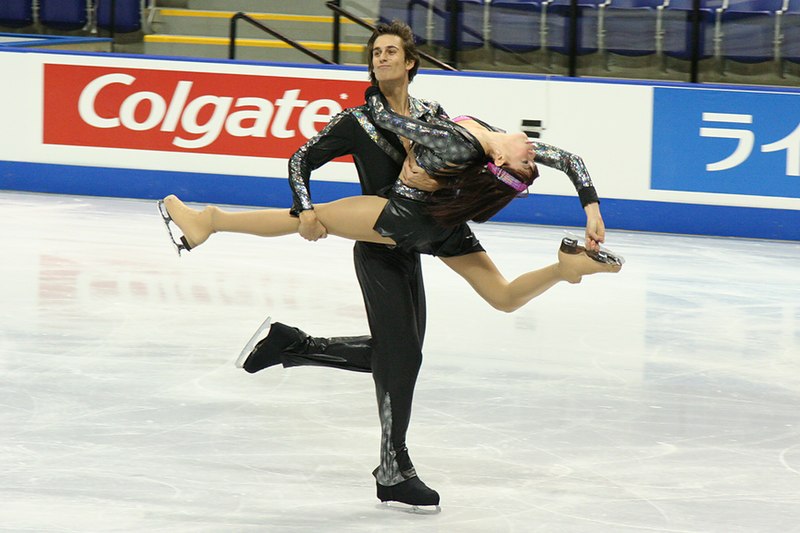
[(430, 135), (595, 227), (571, 164)]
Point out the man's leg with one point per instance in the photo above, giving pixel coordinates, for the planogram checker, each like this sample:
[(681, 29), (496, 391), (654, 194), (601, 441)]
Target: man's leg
[(292, 346), (394, 296), (391, 282)]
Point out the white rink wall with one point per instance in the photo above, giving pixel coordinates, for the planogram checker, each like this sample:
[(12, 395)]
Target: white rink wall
[(714, 160)]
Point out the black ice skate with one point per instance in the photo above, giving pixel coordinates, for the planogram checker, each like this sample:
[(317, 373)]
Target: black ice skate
[(411, 492), (251, 356), (571, 244), (179, 246)]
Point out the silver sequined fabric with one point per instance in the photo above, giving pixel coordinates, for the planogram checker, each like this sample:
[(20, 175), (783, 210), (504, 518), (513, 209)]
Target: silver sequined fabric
[(364, 121), (300, 169), (443, 148), (570, 164), (388, 473)]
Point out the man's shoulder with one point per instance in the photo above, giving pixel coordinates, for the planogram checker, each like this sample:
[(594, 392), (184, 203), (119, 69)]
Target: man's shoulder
[(423, 106)]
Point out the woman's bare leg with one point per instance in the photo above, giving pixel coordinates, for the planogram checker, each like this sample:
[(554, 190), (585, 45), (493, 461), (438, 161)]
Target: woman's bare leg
[(351, 218), (482, 274)]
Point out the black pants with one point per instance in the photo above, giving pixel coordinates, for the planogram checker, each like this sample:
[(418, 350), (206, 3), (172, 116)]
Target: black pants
[(394, 296)]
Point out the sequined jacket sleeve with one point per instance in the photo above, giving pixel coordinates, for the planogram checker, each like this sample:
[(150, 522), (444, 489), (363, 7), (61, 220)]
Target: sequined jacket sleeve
[(444, 138), (571, 165), (334, 140)]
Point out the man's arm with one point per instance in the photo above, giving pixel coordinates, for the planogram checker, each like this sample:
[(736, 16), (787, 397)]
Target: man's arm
[(335, 140)]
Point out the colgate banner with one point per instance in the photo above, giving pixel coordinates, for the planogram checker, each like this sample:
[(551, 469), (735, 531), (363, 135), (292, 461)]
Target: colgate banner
[(181, 111)]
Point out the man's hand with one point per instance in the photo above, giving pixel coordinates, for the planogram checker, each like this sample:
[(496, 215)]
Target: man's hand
[(413, 176), (310, 228), (595, 228)]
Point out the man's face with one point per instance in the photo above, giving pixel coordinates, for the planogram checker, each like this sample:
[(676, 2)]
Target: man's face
[(389, 59)]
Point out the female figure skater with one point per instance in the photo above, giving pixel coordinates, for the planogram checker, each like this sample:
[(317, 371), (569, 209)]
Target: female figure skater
[(480, 170)]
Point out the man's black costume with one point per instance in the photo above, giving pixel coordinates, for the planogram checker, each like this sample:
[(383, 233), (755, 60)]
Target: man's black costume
[(391, 283)]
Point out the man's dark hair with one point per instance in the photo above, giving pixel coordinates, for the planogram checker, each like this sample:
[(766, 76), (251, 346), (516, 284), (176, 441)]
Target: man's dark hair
[(402, 30)]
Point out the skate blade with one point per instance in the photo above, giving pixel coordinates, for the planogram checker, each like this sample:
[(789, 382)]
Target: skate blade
[(179, 246), (604, 255), (406, 508), (251, 344)]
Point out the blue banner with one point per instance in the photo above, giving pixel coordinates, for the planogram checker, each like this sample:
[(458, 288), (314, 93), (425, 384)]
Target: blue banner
[(726, 141)]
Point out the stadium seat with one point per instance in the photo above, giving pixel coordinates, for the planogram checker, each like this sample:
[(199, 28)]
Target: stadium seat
[(631, 27), (676, 20), (16, 13), (430, 20), (64, 14), (747, 30), (127, 16), (790, 31), (516, 25), (557, 26)]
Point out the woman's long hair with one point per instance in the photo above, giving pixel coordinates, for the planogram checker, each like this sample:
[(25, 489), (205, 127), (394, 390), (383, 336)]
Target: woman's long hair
[(476, 194)]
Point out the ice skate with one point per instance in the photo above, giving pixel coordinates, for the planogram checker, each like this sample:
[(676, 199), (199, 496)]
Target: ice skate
[(411, 495), (263, 351), (575, 261), (250, 348), (179, 246), (195, 225), (604, 255)]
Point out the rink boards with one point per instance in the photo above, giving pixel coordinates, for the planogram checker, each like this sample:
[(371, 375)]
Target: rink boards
[(713, 160)]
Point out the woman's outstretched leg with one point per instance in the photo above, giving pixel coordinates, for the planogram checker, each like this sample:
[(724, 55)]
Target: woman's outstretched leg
[(482, 274), (351, 218)]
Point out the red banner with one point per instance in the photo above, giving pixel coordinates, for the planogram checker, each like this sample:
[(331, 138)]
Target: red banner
[(198, 112)]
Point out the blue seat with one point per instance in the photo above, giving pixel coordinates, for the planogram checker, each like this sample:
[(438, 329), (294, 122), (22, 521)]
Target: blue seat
[(516, 25), (469, 24), (747, 28), (790, 30), (127, 16), (557, 26), (402, 10), (676, 23), (16, 13), (630, 27), (470, 27), (63, 14), (416, 16)]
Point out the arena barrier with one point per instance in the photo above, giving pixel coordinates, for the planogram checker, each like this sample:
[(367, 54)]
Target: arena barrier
[(665, 157)]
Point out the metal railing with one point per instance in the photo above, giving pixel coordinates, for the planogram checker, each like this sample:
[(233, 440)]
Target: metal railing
[(294, 44)]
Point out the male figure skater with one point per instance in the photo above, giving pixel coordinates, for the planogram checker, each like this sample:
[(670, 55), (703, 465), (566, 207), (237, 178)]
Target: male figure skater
[(390, 279)]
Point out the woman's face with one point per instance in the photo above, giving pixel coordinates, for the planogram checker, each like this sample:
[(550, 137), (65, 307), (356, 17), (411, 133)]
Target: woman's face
[(517, 154)]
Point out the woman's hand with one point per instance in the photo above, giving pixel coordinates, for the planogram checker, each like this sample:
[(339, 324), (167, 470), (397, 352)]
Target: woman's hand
[(311, 229), (413, 176), (595, 228)]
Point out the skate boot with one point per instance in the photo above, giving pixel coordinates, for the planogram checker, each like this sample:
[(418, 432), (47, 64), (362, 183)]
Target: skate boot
[(411, 492), (195, 225), (572, 244), (575, 261), (266, 352), (291, 346)]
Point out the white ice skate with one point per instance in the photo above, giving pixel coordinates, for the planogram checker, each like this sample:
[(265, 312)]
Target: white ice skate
[(179, 246)]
